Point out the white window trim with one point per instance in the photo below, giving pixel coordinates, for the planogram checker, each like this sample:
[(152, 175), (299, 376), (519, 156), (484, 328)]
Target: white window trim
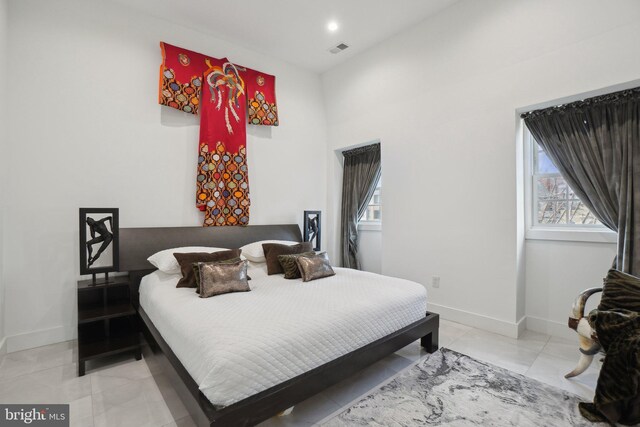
[(570, 235), (592, 233), (370, 225)]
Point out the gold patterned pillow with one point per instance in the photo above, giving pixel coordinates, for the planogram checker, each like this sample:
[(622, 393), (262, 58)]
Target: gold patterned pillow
[(218, 278), (196, 270), (288, 263), (314, 267)]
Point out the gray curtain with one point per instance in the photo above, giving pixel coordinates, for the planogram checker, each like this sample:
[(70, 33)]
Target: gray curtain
[(362, 171), (595, 144)]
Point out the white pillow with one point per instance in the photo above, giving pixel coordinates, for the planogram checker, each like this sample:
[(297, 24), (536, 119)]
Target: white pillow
[(254, 252), (257, 270), (167, 263)]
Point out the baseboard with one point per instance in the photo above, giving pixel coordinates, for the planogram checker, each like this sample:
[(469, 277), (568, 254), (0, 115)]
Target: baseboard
[(3, 346), (550, 327), (522, 325), (39, 338), (502, 327)]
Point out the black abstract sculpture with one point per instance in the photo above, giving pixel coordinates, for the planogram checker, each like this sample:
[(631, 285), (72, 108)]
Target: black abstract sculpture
[(312, 228), (104, 236), (102, 227)]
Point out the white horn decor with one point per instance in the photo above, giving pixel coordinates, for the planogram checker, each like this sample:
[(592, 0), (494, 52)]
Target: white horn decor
[(589, 345), (586, 344)]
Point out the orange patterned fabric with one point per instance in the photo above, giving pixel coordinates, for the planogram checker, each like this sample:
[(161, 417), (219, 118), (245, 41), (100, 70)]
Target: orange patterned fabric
[(181, 78), (185, 97), (261, 98), (223, 186)]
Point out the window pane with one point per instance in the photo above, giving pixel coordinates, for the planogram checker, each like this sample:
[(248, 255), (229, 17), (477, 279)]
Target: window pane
[(580, 214), (373, 212), (552, 187), (553, 200), (376, 213), (543, 163), (546, 212), (552, 212)]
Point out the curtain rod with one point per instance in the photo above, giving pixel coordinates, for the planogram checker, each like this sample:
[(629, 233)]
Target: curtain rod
[(633, 93), (362, 149)]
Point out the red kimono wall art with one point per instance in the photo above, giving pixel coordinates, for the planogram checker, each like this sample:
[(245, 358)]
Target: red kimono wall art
[(227, 97)]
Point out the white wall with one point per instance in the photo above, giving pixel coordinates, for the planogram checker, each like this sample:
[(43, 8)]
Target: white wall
[(4, 23), (556, 273), (442, 98), (86, 130), (370, 250)]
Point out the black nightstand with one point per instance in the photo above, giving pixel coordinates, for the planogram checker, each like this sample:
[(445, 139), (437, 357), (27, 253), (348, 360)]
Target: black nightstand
[(107, 323)]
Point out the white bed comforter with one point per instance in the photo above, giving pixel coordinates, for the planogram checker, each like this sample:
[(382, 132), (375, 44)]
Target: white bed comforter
[(236, 345)]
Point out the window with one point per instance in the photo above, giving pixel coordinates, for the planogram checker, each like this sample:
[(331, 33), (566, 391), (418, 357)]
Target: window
[(555, 212), (554, 202), (372, 214)]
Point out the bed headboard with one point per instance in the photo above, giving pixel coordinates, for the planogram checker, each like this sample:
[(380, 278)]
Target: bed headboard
[(137, 244)]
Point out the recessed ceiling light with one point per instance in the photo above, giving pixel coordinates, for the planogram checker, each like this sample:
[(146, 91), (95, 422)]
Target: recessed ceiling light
[(332, 26)]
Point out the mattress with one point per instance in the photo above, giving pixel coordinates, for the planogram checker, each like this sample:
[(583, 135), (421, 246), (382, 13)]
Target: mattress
[(236, 345)]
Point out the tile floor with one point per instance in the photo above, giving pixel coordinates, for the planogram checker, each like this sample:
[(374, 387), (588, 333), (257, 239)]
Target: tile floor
[(122, 392)]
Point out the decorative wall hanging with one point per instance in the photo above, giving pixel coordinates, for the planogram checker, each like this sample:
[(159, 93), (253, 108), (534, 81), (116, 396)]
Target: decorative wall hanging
[(181, 81), (312, 227), (99, 250), (227, 96)]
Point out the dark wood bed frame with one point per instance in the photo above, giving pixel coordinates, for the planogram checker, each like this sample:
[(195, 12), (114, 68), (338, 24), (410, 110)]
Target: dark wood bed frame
[(137, 244)]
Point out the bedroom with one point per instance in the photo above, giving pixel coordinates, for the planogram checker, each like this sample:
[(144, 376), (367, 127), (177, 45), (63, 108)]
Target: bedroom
[(440, 84)]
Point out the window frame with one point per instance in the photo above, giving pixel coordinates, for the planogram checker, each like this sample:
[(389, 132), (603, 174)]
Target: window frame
[(560, 232)]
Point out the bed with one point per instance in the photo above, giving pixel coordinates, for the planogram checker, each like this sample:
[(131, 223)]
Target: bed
[(274, 346)]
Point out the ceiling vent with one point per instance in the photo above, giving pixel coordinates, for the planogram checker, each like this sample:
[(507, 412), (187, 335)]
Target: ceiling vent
[(339, 48)]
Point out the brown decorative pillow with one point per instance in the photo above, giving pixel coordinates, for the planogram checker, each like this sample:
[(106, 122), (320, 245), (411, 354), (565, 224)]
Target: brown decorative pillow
[(196, 270), (314, 267), (218, 278), (272, 250), (185, 260), (289, 266)]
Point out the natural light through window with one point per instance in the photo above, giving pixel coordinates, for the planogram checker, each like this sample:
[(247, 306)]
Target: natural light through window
[(372, 214), (554, 203)]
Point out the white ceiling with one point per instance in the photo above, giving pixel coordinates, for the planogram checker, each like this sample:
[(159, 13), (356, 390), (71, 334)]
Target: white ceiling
[(296, 30)]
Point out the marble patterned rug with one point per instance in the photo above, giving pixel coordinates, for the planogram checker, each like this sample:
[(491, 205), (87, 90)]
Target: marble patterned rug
[(450, 389)]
